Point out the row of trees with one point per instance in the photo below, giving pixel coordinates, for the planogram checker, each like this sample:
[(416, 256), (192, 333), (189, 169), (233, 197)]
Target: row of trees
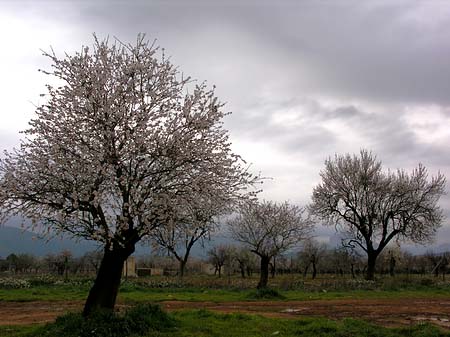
[(369, 207), (60, 264), (126, 149), (313, 259), (316, 258)]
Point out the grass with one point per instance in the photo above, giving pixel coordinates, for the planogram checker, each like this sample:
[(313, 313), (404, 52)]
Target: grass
[(131, 294), (202, 323)]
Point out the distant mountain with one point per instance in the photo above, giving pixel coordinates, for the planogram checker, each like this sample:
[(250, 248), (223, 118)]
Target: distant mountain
[(18, 241)]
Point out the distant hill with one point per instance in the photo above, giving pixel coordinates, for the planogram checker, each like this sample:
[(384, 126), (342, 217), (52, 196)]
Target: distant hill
[(18, 241), (15, 240)]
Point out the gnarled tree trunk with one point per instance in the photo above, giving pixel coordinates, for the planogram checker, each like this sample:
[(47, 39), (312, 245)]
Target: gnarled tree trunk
[(182, 267), (103, 293), (314, 274), (264, 273), (371, 261)]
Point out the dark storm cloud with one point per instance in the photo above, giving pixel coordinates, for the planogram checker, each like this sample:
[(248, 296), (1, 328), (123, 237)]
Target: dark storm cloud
[(384, 50), (390, 51)]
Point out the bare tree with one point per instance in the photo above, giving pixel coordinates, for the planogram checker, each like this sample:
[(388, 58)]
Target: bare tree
[(372, 207), (93, 259), (21, 263), (269, 229), (245, 260), (439, 262), (342, 260), (192, 221), (218, 256), (310, 255), (118, 139)]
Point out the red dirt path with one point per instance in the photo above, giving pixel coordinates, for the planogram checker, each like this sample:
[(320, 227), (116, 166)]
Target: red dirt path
[(387, 312)]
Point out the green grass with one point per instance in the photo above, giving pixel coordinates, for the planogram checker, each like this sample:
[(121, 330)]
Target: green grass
[(202, 323), (205, 323), (45, 293), (210, 288), (69, 293), (18, 331)]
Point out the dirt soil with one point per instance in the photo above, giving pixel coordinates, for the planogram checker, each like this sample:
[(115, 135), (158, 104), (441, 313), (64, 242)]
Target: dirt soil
[(386, 312)]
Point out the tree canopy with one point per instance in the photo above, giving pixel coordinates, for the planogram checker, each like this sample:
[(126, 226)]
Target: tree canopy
[(122, 137), (371, 207), (268, 229)]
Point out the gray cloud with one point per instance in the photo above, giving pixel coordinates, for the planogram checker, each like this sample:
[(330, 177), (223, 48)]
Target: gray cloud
[(304, 79)]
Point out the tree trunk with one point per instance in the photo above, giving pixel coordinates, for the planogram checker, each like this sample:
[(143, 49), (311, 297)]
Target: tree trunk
[(371, 261), (305, 272), (274, 267), (392, 266), (242, 268), (264, 272), (182, 268), (103, 293), (314, 274)]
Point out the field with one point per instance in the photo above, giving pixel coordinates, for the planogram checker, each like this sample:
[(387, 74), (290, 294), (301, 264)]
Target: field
[(208, 306)]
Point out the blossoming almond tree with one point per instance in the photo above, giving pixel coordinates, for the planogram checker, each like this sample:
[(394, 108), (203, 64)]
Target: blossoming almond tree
[(114, 144)]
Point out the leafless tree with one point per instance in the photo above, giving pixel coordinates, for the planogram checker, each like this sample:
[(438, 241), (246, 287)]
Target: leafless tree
[(21, 263), (218, 256), (245, 260), (191, 221), (269, 229), (439, 262), (93, 259), (342, 260), (310, 255), (372, 207), (120, 136)]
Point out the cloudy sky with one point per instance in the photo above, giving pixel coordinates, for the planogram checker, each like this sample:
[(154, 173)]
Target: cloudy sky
[(304, 79)]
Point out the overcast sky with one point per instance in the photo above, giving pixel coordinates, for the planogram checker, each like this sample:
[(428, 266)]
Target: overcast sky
[(304, 79)]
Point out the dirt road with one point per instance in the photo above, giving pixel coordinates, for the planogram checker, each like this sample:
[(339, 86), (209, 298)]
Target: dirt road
[(394, 312)]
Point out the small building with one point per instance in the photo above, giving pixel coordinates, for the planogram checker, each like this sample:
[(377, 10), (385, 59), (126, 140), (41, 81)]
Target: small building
[(149, 272), (129, 268)]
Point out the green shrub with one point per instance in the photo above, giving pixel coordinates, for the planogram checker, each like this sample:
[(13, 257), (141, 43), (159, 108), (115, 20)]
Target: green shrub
[(143, 318), (265, 293), (137, 321)]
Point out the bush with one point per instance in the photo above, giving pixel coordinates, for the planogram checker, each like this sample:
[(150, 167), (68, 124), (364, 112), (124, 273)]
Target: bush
[(265, 293), (144, 318), (134, 322)]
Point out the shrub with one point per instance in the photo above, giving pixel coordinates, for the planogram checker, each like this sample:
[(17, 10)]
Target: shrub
[(265, 293), (143, 318), (134, 322)]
